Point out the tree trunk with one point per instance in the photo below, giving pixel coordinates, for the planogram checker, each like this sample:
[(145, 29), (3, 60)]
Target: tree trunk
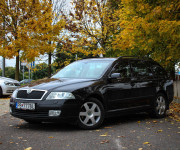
[(17, 68), (3, 67), (49, 64)]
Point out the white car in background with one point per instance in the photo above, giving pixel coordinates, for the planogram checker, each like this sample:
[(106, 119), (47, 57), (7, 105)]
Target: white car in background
[(7, 86)]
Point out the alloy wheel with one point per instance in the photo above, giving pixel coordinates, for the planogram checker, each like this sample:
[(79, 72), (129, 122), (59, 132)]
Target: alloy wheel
[(90, 114), (161, 105)]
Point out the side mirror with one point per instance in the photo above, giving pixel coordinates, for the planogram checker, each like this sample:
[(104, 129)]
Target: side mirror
[(115, 75)]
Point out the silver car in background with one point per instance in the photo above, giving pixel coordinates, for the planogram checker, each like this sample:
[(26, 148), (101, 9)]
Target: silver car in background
[(7, 86)]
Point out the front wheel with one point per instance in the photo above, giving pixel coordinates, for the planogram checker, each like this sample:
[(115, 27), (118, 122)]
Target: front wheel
[(91, 114), (160, 106)]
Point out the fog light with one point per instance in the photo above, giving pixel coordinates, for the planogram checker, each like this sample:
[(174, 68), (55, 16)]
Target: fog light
[(10, 109), (54, 113)]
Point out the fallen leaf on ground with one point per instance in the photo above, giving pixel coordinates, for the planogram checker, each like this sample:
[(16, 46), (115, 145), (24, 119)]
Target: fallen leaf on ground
[(11, 142), (138, 121), (146, 143), (50, 137), (29, 148), (98, 130), (25, 140), (104, 141), (160, 130), (105, 134), (107, 127), (174, 111), (0, 142), (154, 121), (140, 149), (120, 136)]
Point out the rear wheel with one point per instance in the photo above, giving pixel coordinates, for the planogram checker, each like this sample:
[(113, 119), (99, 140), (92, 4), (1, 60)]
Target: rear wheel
[(160, 106), (91, 114)]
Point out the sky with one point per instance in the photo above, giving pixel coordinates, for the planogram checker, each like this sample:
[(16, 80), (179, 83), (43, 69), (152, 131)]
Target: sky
[(9, 62)]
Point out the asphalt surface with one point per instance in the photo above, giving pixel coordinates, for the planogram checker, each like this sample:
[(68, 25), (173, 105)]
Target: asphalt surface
[(4, 106), (132, 132)]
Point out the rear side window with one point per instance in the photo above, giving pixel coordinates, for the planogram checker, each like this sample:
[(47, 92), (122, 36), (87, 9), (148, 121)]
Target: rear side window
[(158, 71), (141, 70)]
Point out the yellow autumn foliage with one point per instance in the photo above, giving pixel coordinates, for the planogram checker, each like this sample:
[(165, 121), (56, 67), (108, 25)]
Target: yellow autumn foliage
[(148, 28), (28, 28)]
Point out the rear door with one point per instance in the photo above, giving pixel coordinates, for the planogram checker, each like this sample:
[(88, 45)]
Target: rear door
[(145, 85)]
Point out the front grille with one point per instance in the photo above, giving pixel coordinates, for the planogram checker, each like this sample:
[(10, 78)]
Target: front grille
[(27, 113), (35, 94)]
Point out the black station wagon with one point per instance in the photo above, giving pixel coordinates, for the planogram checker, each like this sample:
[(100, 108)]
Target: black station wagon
[(89, 90)]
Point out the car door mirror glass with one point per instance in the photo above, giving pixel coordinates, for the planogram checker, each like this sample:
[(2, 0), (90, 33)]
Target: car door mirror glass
[(115, 75)]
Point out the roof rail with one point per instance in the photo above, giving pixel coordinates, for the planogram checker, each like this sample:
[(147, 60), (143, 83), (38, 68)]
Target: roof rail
[(138, 57)]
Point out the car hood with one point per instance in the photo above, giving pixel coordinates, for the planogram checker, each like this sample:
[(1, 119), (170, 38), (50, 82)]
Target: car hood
[(9, 79), (58, 83)]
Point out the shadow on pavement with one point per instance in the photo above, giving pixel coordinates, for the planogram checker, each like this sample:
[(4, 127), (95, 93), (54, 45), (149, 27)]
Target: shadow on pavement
[(66, 127)]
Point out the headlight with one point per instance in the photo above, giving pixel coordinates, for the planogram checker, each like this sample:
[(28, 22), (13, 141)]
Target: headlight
[(8, 83), (60, 95), (14, 95)]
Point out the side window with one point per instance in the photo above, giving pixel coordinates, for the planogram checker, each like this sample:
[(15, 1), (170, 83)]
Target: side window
[(158, 71), (141, 70), (123, 68)]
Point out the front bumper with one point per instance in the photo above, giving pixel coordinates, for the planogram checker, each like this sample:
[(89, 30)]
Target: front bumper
[(8, 90), (69, 110)]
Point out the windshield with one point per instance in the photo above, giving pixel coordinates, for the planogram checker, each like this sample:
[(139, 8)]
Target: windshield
[(92, 69)]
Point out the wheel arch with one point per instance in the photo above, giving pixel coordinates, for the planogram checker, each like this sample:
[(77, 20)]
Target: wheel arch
[(99, 97)]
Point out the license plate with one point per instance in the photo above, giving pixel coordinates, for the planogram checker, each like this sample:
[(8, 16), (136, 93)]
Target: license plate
[(25, 106)]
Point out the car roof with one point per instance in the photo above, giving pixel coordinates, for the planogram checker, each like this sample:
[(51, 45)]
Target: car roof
[(117, 58), (98, 59)]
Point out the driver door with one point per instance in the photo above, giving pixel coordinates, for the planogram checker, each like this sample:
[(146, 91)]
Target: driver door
[(119, 89)]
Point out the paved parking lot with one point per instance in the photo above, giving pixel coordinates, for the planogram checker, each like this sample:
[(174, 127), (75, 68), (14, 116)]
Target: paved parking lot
[(132, 132)]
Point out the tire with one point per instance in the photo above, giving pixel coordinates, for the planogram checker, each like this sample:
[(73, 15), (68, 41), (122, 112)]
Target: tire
[(1, 92), (91, 114), (160, 106), (32, 121)]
